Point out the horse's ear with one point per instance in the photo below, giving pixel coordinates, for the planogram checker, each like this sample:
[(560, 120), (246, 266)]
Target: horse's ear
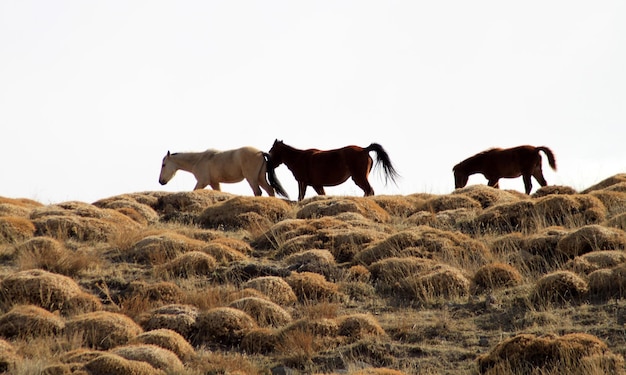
[(168, 153)]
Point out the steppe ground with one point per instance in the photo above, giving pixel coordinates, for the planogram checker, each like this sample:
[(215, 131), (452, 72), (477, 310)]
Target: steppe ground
[(479, 281)]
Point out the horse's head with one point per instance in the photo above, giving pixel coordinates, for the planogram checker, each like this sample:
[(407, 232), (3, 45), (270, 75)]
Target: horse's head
[(276, 153), (460, 177), (168, 169)]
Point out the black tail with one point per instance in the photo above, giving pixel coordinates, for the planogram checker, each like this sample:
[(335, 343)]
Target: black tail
[(383, 157), (271, 176)]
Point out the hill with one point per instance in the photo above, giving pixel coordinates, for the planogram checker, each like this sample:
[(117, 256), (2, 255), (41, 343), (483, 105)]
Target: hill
[(479, 281)]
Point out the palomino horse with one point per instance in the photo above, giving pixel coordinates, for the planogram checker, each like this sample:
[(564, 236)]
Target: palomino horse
[(497, 163), (212, 167), (318, 168)]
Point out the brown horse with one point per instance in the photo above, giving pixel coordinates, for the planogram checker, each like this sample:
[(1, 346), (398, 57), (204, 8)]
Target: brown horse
[(318, 168), (497, 163)]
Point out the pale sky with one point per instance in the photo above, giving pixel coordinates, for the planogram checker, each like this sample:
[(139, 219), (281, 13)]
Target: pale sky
[(94, 93)]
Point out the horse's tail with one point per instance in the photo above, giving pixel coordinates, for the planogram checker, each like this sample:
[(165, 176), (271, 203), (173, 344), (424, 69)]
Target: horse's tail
[(550, 155), (383, 157), (271, 176)]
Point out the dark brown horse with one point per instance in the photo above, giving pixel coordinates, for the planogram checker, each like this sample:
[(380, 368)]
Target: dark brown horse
[(318, 168), (497, 163)]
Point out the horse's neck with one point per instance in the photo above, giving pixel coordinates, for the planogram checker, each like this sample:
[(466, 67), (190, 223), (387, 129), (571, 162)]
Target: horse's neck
[(187, 160), (294, 155), (474, 164)]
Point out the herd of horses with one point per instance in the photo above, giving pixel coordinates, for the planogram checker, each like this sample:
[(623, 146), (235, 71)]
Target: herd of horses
[(320, 168)]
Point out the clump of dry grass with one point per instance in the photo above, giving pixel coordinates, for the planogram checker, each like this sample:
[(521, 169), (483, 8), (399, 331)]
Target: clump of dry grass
[(553, 190), (275, 288), (167, 339), (309, 286), (80, 221), (618, 221), (487, 196), (426, 242), (176, 317), (223, 253), (51, 255), (607, 183), (591, 238), (495, 276), (245, 212), (608, 283), (160, 248), (613, 201), (9, 357), (222, 326), (319, 206), (102, 330), (109, 363), (445, 220), (441, 281), (387, 273), (559, 287), (140, 294), (14, 229), (344, 242), (79, 356), (447, 202), (400, 206), (129, 206), (47, 290), (317, 256), (570, 210), (359, 326), (260, 341), (595, 260), (574, 353), (266, 313), (503, 218), (193, 202), (191, 264), (156, 356), (30, 322)]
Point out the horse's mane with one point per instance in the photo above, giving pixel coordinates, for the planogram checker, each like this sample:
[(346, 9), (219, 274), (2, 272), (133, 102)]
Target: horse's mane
[(475, 158)]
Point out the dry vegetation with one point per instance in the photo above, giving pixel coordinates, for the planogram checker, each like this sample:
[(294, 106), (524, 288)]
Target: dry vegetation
[(479, 281)]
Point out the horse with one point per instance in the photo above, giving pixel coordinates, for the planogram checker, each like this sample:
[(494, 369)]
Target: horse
[(212, 167), (319, 168), (497, 163)]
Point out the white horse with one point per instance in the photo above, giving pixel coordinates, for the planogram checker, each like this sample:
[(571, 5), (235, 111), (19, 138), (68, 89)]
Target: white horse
[(212, 167)]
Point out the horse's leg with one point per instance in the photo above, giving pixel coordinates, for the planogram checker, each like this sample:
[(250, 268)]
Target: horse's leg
[(538, 174), (301, 190), (200, 185), (255, 189), (319, 190), (528, 184), (364, 185), (494, 183), (215, 186), (266, 186)]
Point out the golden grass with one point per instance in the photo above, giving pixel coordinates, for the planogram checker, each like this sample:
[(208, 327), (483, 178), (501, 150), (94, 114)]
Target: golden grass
[(478, 281), (577, 353), (14, 229), (327, 206), (102, 330), (222, 327), (50, 291)]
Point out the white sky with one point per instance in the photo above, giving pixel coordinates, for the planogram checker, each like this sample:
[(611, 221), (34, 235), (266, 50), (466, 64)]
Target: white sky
[(94, 93)]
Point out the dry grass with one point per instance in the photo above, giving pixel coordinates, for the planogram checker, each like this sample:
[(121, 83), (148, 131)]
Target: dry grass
[(576, 353), (477, 281)]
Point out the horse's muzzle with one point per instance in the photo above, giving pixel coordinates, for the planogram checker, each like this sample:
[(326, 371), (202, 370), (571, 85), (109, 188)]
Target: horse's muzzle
[(162, 182)]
